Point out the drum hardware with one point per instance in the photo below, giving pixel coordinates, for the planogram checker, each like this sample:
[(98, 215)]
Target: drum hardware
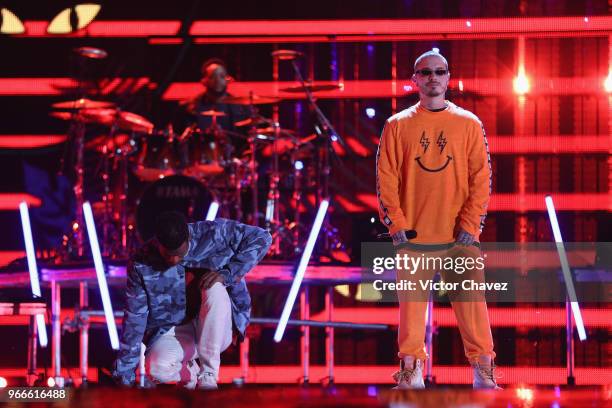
[(253, 136), (199, 163), (272, 217), (213, 114), (75, 147), (312, 88), (116, 146), (123, 120), (158, 156), (113, 247), (287, 55), (74, 245), (326, 135)]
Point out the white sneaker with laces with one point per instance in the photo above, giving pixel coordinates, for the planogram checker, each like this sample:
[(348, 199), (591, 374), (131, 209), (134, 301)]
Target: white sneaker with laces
[(193, 369), (207, 381), (410, 376), (484, 377)]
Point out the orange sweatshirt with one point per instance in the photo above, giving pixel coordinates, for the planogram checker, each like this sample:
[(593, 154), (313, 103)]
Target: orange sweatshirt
[(433, 173)]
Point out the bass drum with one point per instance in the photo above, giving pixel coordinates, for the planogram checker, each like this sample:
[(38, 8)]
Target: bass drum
[(174, 193)]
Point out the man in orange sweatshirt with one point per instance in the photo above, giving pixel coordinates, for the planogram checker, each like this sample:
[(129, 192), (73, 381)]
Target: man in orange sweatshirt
[(434, 176)]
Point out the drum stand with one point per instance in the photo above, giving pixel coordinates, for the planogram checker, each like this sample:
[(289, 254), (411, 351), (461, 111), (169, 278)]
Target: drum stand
[(327, 133), (273, 223), (113, 247), (72, 246), (296, 198)]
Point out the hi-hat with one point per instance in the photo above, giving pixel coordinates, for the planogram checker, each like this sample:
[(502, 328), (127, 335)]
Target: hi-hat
[(83, 103), (91, 52), (249, 100), (287, 55), (212, 113)]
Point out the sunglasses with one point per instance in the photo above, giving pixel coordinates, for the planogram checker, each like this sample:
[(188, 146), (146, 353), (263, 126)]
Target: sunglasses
[(428, 72)]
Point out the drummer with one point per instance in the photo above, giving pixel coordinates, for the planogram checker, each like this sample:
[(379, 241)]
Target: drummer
[(214, 80)]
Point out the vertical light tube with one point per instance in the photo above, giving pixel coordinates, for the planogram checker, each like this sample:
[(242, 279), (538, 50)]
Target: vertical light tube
[(301, 270), (102, 285), (567, 275), (33, 269), (212, 211)]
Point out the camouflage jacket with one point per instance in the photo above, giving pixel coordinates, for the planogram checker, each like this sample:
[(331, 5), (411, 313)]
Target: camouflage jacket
[(155, 294)]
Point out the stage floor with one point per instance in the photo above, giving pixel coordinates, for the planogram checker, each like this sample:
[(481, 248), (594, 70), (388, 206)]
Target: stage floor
[(339, 396)]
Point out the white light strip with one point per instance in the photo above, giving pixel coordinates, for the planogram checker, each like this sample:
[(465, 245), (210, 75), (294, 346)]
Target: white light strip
[(33, 269), (212, 211), (301, 270), (102, 285), (567, 275), (269, 210)]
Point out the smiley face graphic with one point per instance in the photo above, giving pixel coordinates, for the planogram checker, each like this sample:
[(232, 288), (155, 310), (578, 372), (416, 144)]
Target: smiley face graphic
[(441, 142)]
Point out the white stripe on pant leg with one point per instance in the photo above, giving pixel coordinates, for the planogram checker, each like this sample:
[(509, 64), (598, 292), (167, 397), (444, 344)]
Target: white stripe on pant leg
[(141, 364), (213, 328)]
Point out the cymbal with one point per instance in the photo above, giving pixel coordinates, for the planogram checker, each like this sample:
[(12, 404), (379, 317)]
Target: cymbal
[(212, 113), (78, 115), (286, 145), (254, 121), (108, 117), (83, 103), (124, 120), (134, 122), (249, 100), (61, 115), (311, 88)]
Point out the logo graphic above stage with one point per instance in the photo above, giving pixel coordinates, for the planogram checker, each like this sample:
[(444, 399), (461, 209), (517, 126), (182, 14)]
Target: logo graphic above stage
[(441, 143), (67, 21)]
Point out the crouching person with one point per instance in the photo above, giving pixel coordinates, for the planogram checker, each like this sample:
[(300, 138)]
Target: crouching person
[(187, 299)]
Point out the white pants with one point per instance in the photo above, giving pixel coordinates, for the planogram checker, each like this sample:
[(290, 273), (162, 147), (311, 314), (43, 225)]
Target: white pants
[(171, 359)]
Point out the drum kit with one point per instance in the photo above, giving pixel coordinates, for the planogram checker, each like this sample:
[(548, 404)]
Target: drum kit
[(146, 170)]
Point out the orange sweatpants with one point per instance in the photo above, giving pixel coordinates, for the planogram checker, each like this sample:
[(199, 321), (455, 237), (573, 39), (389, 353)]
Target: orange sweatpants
[(470, 308)]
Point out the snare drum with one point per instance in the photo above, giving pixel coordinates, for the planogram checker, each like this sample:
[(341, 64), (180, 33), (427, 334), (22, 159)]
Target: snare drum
[(174, 193)]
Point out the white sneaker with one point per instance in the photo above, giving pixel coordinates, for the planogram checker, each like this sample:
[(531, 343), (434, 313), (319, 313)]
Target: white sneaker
[(410, 378), (207, 381), (193, 369), (484, 377)]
